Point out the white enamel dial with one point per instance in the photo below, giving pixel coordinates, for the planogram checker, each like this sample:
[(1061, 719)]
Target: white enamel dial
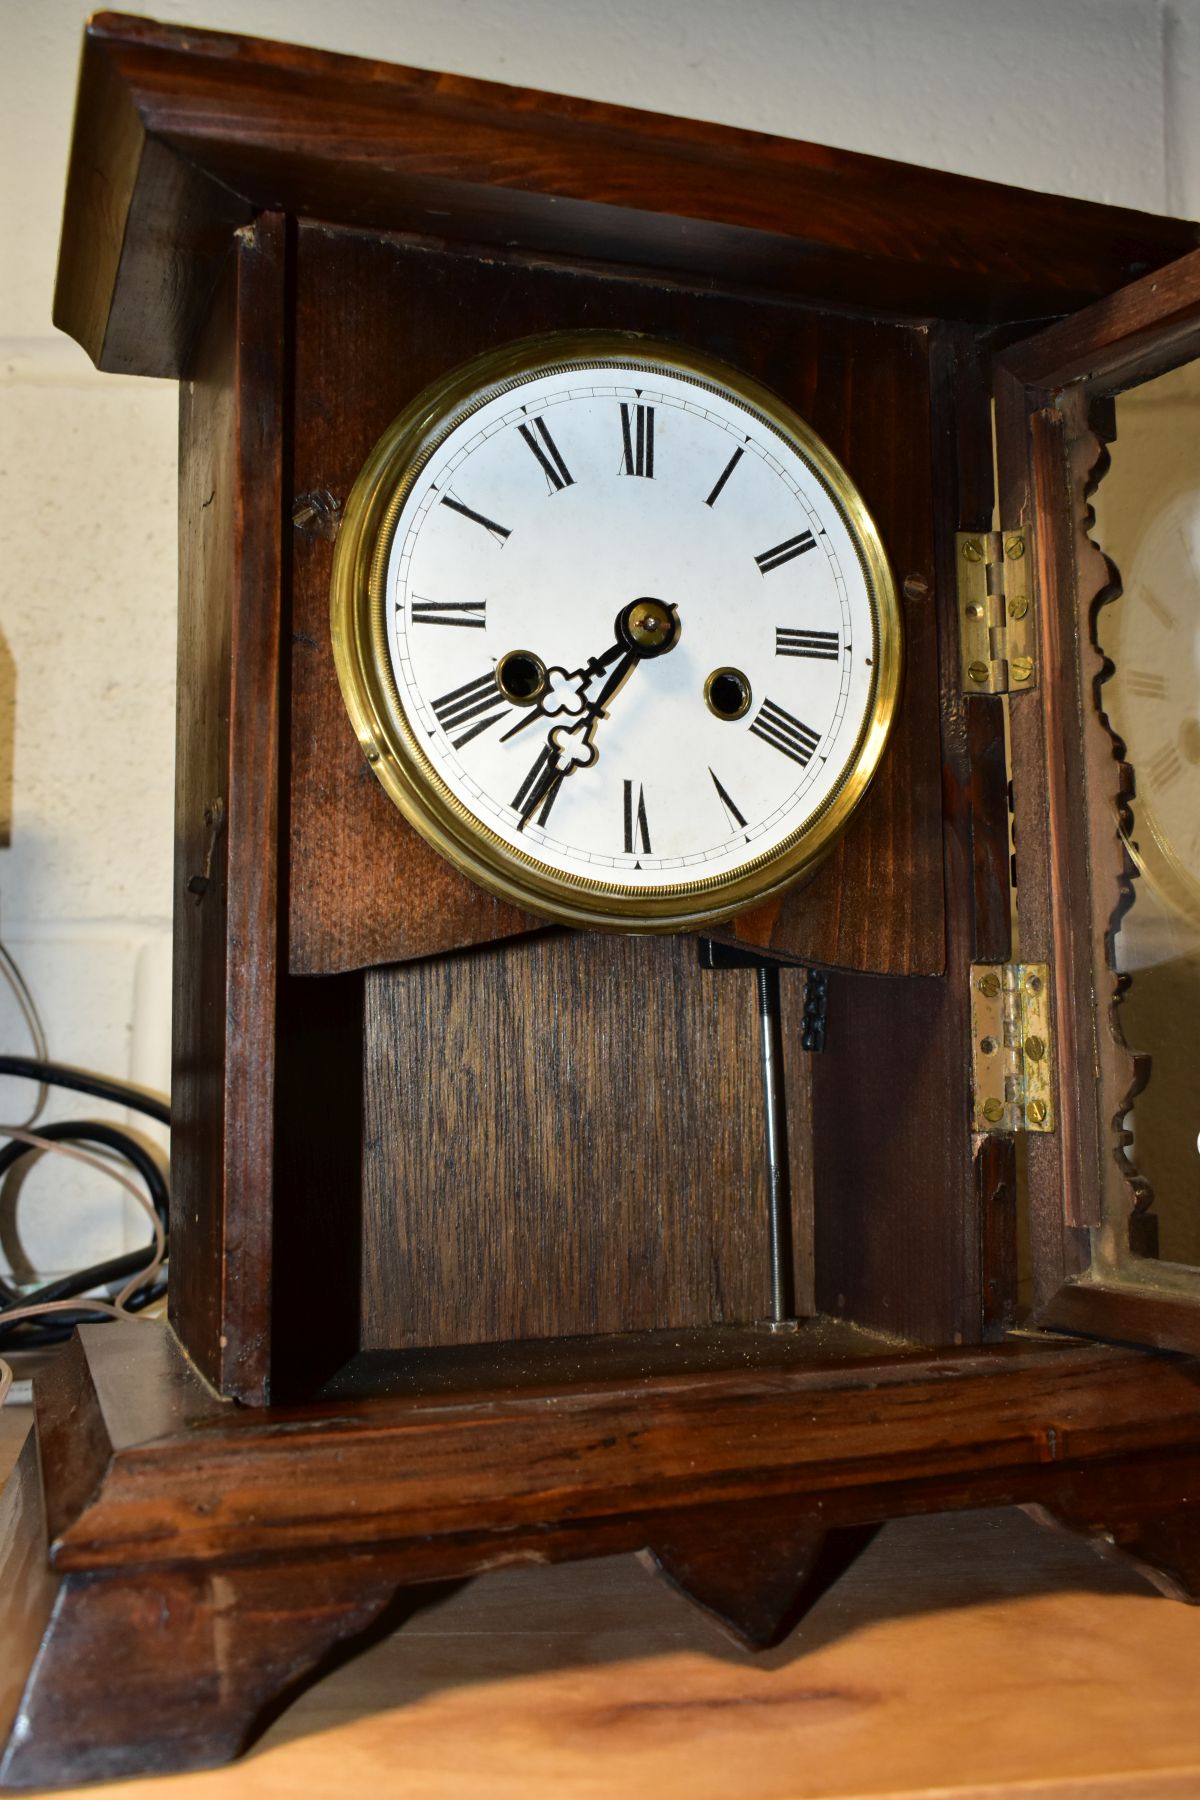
[(1154, 696), (632, 636)]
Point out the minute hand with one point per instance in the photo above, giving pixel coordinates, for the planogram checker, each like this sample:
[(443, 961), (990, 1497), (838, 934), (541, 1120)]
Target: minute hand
[(581, 679), (568, 747)]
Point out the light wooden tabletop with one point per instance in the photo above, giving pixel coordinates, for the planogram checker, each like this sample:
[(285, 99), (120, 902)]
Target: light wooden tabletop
[(962, 1657)]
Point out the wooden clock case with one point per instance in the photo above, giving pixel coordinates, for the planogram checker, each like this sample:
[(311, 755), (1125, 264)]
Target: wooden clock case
[(468, 1251)]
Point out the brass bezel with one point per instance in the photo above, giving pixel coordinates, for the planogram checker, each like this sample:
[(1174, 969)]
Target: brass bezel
[(357, 617), (1158, 863)]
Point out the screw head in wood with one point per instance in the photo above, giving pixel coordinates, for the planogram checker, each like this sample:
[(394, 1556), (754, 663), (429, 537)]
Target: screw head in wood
[(1014, 548), (1035, 1049), (1036, 1111), (978, 671), (989, 984), (973, 550), (993, 1111), (1018, 606), (1021, 668)]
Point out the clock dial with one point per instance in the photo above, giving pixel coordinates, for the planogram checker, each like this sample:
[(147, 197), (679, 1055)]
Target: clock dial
[(617, 633), (1154, 698)]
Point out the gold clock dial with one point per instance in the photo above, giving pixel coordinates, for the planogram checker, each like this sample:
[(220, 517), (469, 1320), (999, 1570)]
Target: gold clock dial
[(616, 631)]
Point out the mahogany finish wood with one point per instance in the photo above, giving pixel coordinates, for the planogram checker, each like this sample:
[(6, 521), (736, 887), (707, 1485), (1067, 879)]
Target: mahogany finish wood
[(460, 1481), (1134, 334), (1159, 1537), (1057, 1250), (757, 1578), (226, 868), (1072, 788), (186, 134), (265, 1542), (1130, 1312), (898, 1242), (365, 888)]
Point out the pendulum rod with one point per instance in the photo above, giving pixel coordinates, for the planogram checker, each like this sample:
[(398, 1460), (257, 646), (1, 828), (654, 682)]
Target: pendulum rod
[(775, 1109)]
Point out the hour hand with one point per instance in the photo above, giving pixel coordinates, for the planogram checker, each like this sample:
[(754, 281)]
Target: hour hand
[(566, 691)]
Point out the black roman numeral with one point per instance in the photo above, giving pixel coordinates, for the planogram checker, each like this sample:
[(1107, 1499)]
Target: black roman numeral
[(468, 512), (467, 705), (467, 613), (636, 825), (723, 477), (777, 727), (820, 644), (783, 553), (539, 788), (637, 436), (1165, 767), (728, 804), (548, 455)]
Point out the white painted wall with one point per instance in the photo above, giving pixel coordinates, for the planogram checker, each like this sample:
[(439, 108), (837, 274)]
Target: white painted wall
[(1099, 98)]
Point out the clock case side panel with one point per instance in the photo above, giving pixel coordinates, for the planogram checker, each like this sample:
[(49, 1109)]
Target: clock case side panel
[(915, 1222), (232, 413), (1071, 790), (378, 317)]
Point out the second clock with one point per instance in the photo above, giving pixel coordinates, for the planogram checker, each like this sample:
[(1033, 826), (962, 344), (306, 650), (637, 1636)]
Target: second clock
[(615, 630)]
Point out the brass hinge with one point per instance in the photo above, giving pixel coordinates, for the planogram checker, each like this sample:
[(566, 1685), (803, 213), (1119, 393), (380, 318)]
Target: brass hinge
[(995, 612), (1011, 1047)]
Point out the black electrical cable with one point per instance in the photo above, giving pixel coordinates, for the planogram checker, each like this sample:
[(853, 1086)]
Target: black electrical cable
[(97, 1131), (111, 1137), (52, 1074), (56, 1327), (68, 1287)]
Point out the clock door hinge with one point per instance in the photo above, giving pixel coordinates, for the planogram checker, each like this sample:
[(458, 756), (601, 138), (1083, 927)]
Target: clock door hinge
[(1011, 1047), (995, 612)]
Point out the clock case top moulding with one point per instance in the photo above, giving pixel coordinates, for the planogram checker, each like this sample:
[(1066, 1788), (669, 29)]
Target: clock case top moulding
[(304, 241)]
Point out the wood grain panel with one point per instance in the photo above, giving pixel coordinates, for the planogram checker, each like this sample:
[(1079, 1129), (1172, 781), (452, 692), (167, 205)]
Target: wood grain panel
[(453, 1483), (227, 762), (563, 1136), (894, 845), (377, 319), (1130, 336), (181, 133), (898, 1239)]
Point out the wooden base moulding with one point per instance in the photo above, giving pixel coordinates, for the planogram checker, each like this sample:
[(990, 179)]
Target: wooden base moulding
[(158, 1540)]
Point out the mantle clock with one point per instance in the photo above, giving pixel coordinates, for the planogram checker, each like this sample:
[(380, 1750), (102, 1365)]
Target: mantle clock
[(603, 1057)]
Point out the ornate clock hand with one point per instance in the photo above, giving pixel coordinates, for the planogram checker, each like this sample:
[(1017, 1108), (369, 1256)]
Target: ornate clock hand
[(645, 628), (567, 748), (565, 685)]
